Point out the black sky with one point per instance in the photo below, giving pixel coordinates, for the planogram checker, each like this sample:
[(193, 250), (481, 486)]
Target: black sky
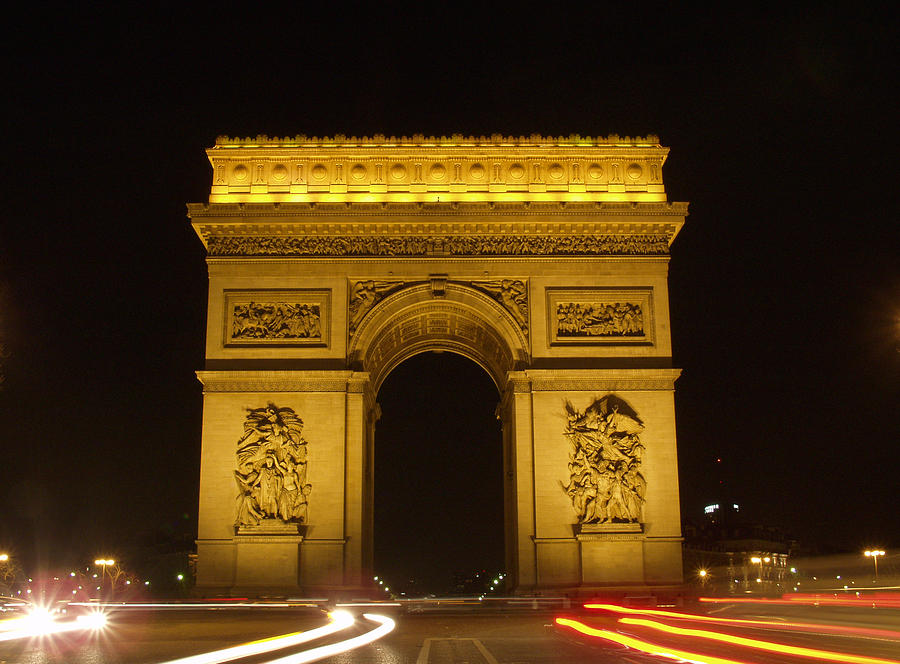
[(784, 284)]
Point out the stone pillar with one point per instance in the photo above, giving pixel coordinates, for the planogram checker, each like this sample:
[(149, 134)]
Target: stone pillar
[(329, 549), (357, 504), (599, 552), (517, 424)]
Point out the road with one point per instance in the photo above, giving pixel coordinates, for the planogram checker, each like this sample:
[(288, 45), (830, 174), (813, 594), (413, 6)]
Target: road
[(464, 635)]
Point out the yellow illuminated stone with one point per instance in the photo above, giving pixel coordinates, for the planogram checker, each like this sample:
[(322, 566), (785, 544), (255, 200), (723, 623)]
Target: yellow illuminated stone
[(542, 259)]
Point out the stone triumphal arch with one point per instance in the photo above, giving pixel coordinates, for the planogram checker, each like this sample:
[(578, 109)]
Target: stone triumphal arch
[(332, 260)]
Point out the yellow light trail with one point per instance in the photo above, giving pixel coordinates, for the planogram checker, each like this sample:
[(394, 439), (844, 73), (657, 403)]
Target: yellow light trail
[(646, 646), (769, 646)]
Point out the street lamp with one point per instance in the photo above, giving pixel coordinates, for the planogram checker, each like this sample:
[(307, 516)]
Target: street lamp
[(874, 556), (7, 569), (103, 562)]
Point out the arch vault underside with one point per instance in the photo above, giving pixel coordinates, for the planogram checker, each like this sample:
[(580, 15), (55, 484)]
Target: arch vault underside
[(452, 317), (332, 261)]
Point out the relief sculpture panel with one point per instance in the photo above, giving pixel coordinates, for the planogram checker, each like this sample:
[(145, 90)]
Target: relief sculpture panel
[(600, 316), (297, 318), (271, 470), (605, 481), (366, 294), (512, 294)]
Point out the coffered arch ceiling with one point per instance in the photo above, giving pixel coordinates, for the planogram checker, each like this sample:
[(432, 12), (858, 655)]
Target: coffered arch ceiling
[(454, 318)]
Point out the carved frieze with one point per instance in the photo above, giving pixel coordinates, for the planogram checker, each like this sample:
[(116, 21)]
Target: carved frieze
[(599, 316), (442, 245), (271, 470), (608, 319), (279, 317), (512, 294), (605, 481)]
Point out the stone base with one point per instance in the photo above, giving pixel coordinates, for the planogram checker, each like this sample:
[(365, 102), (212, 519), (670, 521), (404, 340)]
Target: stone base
[(271, 527), (267, 561), (594, 528)]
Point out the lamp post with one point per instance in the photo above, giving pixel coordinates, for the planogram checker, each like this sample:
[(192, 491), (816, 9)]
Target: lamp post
[(103, 562), (7, 569), (873, 554)]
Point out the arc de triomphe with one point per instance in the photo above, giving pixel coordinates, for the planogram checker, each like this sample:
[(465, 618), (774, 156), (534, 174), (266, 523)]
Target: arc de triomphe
[(333, 260)]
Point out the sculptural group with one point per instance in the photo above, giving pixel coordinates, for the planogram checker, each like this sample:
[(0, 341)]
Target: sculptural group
[(605, 482), (271, 468), (275, 320), (607, 319)]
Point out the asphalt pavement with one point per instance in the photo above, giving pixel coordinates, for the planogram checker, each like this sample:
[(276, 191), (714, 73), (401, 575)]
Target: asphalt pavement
[(461, 633)]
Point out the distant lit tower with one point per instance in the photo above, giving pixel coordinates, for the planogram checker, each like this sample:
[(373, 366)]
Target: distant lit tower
[(723, 508)]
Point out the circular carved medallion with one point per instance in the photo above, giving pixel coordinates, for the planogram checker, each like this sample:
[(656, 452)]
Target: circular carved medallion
[(516, 171), (358, 172), (319, 172), (556, 171), (279, 172), (595, 171), (634, 171), (398, 171), (438, 172), (240, 172), (476, 171)]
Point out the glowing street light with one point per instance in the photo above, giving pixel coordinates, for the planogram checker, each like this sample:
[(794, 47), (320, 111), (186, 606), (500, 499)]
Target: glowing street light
[(4, 557), (103, 563), (759, 561), (874, 556)]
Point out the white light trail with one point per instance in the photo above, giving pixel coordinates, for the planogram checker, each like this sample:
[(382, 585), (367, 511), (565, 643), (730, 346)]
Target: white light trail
[(197, 605), (386, 626), (340, 620), (40, 622)]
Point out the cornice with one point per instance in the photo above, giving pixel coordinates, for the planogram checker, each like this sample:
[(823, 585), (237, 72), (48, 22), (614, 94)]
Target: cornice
[(434, 229), (607, 380), (280, 381), (450, 209), (420, 140)]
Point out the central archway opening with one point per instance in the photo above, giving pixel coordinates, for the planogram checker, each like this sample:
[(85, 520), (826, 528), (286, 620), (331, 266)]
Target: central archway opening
[(438, 478)]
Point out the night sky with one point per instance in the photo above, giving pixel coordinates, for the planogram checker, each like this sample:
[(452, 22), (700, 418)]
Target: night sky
[(784, 283)]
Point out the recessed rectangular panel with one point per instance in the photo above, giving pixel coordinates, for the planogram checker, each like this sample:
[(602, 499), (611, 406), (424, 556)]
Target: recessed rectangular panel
[(277, 317), (608, 316)]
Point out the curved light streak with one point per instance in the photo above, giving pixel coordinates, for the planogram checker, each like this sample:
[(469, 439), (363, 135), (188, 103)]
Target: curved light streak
[(756, 644), (340, 620), (646, 646), (386, 626), (814, 627)]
